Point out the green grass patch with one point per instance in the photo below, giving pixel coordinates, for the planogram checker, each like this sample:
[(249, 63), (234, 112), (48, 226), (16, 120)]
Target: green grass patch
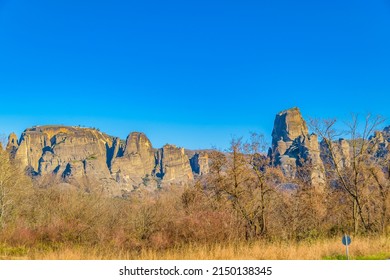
[(92, 157), (9, 253), (335, 257), (379, 256)]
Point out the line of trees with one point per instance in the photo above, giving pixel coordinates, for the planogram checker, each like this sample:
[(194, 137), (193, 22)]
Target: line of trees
[(362, 174)]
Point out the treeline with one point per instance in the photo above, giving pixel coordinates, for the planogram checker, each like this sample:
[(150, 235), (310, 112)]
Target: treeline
[(242, 198)]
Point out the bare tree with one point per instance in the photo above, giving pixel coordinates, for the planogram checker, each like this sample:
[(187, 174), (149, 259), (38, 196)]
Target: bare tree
[(380, 171), (240, 176), (256, 150), (14, 186), (348, 162)]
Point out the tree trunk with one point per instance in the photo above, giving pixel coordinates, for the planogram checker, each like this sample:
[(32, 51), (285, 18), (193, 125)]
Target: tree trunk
[(355, 218)]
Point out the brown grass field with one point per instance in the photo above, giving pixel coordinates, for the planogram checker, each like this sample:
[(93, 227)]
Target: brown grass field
[(361, 248)]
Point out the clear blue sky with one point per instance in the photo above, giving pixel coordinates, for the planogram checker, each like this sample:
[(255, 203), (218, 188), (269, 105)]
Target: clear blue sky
[(191, 73)]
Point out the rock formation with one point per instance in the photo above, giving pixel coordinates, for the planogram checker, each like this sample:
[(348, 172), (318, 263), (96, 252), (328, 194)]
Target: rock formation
[(49, 149), (341, 153), (12, 145), (200, 163), (288, 126), (76, 154), (293, 146), (136, 161), (381, 141), (173, 164)]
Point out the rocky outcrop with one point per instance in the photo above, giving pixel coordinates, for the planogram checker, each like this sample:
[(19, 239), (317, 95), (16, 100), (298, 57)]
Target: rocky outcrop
[(293, 146), (311, 154), (200, 163), (29, 152), (12, 145), (78, 154), (380, 142), (138, 144), (50, 149), (136, 161), (288, 126), (173, 164), (344, 152), (74, 170)]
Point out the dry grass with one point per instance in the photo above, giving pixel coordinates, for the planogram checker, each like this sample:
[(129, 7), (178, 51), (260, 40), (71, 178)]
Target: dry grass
[(361, 248), (276, 251)]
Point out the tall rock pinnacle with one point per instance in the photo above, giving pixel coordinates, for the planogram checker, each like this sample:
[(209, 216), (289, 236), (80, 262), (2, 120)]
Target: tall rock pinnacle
[(292, 146)]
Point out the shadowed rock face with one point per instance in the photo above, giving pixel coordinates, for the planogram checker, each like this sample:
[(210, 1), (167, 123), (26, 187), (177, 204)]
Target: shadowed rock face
[(76, 153), (200, 163), (293, 146)]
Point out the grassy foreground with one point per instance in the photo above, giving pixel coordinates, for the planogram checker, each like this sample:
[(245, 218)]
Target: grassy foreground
[(361, 248)]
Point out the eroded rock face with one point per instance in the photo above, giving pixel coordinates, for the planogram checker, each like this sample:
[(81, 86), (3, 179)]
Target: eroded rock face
[(200, 163), (12, 145), (293, 146), (311, 154), (341, 154), (381, 140), (138, 144), (31, 145), (74, 170), (49, 149), (78, 155), (173, 164), (288, 126), (137, 160)]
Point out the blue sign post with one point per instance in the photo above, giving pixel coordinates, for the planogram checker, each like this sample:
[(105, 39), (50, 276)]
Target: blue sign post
[(346, 241)]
